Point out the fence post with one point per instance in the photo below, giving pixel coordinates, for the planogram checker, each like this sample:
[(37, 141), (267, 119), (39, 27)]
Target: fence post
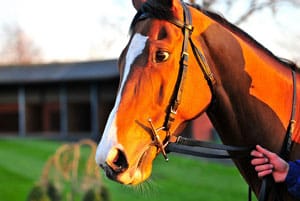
[(94, 110), (63, 107), (22, 111)]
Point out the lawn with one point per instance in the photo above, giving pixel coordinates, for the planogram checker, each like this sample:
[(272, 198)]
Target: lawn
[(182, 178)]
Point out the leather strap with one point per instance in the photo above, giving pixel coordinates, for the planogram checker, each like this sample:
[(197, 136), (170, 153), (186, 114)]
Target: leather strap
[(204, 149), (187, 30), (287, 143)]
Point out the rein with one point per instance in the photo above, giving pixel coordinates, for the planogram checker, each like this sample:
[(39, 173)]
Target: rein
[(200, 148)]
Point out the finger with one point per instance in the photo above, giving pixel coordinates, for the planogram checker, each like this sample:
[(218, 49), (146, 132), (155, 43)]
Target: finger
[(265, 167), (263, 151), (259, 161), (264, 173), (257, 154)]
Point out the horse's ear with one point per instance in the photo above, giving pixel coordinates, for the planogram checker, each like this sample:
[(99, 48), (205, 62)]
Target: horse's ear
[(174, 5), (177, 8), (137, 4)]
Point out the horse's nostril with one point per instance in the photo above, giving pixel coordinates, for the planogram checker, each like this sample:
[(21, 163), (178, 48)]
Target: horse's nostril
[(117, 160), (120, 161)]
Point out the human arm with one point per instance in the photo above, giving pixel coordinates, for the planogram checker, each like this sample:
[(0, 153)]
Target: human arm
[(293, 178)]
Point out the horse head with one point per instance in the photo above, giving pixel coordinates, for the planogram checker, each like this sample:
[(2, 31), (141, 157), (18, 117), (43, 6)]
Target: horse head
[(150, 79)]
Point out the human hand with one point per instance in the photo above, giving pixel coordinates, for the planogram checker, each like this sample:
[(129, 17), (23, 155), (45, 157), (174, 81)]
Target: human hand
[(267, 162)]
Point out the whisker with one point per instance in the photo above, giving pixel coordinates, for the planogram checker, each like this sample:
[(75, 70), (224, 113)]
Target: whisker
[(146, 189)]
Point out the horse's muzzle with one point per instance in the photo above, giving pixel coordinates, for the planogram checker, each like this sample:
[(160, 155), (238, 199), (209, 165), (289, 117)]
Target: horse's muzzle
[(115, 164)]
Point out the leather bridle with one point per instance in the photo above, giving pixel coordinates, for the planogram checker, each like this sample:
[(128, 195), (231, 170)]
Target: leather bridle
[(186, 145), (171, 111)]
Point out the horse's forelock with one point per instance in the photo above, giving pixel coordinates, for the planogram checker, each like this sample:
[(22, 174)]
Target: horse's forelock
[(157, 9)]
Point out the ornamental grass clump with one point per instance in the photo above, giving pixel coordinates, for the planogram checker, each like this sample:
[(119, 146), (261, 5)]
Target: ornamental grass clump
[(71, 174)]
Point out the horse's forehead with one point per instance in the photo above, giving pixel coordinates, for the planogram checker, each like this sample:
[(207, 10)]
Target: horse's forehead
[(153, 28), (152, 34), (136, 47)]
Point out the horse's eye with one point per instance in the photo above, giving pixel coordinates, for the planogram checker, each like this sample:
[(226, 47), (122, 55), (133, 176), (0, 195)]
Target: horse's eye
[(161, 56)]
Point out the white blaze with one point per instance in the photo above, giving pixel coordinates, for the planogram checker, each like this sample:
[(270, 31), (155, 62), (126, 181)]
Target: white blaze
[(109, 138)]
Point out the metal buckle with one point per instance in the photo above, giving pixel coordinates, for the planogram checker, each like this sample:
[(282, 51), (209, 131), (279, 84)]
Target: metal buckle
[(189, 27), (173, 111), (156, 139)]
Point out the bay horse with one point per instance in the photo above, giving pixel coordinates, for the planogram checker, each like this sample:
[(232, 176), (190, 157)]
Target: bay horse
[(180, 62)]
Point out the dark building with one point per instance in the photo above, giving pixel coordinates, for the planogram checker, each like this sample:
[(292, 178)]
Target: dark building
[(58, 99), (65, 100)]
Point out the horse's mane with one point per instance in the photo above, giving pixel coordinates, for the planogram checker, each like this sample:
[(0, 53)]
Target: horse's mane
[(246, 36), (163, 11)]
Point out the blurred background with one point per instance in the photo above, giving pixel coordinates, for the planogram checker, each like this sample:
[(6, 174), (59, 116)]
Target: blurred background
[(65, 30), (59, 77), (58, 73)]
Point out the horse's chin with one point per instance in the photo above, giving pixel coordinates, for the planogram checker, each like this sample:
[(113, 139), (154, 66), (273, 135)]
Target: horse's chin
[(141, 171)]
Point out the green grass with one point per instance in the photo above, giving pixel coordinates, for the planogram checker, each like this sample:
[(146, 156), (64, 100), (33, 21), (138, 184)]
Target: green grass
[(182, 178)]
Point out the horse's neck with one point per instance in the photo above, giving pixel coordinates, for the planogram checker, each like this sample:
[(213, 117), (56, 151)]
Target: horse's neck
[(254, 92), (253, 95), (296, 136)]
